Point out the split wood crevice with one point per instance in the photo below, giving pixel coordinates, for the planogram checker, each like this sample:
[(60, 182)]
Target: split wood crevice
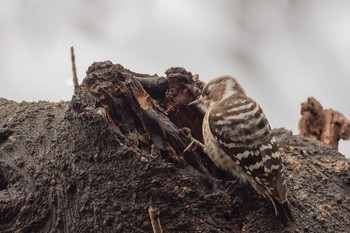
[(98, 162), (152, 111)]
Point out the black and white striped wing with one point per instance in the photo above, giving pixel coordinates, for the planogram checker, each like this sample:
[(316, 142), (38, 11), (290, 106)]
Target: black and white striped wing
[(242, 131)]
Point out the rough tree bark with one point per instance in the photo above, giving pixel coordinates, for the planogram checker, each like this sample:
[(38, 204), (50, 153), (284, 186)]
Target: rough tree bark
[(98, 162)]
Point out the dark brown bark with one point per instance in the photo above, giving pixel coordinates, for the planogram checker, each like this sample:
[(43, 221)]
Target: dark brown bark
[(325, 125), (96, 164)]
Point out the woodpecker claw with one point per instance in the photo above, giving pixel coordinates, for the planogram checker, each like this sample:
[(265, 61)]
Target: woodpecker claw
[(194, 142)]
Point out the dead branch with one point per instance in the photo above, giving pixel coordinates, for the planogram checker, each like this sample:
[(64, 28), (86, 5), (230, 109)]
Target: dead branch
[(325, 125)]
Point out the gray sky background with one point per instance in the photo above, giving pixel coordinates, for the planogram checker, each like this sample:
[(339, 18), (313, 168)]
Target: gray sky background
[(280, 51)]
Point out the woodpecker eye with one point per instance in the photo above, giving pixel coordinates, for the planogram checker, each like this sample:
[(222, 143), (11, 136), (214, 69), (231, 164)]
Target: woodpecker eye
[(207, 92)]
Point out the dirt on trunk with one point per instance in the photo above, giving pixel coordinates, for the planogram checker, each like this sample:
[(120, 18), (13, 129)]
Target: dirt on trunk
[(98, 162)]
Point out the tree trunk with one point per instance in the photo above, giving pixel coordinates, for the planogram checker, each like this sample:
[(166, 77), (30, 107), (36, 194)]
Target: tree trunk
[(98, 162)]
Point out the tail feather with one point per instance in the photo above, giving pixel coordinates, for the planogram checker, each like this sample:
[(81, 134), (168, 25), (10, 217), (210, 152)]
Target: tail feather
[(284, 212)]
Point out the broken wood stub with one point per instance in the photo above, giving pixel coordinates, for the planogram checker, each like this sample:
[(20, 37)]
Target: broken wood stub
[(325, 125), (155, 221), (151, 112)]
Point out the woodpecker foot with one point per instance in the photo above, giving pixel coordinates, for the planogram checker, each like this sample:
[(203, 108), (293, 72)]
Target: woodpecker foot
[(194, 142)]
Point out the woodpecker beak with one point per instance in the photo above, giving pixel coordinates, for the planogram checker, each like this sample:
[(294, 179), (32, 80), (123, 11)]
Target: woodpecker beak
[(199, 105), (194, 103)]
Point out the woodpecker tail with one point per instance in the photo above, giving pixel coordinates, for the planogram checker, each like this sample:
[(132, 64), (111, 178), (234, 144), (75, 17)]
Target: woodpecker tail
[(284, 212)]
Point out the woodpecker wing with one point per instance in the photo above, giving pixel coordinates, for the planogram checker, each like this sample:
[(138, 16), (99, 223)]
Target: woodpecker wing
[(242, 131)]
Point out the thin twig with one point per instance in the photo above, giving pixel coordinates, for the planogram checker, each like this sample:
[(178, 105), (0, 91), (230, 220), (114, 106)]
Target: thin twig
[(74, 69), (154, 215)]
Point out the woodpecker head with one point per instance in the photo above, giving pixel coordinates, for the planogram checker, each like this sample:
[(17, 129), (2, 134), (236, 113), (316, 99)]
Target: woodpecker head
[(216, 91)]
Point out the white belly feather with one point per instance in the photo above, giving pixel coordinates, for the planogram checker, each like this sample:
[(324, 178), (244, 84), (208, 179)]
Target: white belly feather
[(218, 156)]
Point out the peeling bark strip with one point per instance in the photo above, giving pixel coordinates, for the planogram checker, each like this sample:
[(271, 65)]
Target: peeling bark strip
[(325, 125), (97, 162)]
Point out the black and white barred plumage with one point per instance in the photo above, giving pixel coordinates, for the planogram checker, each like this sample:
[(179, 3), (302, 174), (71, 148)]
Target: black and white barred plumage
[(238, 139)]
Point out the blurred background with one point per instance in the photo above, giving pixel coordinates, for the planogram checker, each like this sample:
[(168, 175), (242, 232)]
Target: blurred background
[(281, 51)]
